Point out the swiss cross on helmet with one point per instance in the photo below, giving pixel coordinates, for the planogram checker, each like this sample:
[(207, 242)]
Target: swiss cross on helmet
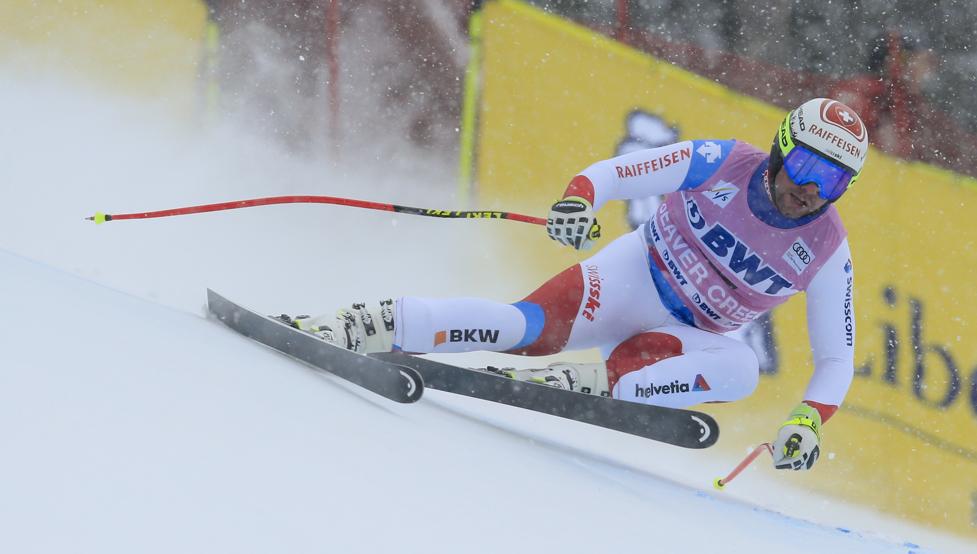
[(822, 142)]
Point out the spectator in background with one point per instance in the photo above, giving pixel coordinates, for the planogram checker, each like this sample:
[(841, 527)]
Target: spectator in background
[(432, 46), (892, 96), (269, 64), (273, 63)]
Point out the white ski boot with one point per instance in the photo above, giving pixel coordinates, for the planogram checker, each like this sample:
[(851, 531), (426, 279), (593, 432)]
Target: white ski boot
[(585, 378), (358, 329)]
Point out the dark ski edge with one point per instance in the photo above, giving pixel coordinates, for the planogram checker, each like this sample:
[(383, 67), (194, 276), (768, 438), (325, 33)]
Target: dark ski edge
[(678, 427)]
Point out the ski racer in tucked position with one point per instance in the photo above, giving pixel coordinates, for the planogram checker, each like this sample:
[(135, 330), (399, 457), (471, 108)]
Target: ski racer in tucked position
[(739, 232)]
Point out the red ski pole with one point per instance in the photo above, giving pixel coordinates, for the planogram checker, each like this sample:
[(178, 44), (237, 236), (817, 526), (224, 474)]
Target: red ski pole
[(723, 481), (100, 217)]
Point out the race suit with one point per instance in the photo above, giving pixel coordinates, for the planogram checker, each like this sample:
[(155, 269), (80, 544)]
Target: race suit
[(714, 256)]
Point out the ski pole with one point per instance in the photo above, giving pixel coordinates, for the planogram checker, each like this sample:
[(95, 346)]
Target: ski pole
[(100, 217), (722, 482)]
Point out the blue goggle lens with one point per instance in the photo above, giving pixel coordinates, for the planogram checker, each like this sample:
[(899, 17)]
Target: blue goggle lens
[(804, 166)]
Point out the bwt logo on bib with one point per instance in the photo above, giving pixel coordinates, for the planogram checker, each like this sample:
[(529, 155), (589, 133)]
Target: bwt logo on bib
[(466, 335), (735, 254)]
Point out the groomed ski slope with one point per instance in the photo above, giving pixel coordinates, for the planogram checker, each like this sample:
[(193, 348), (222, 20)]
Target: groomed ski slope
[(131, 423), (133, 427)]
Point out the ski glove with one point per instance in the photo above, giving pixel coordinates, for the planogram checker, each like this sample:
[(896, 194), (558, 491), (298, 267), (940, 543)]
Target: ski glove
[(572, 222), (798, 443)]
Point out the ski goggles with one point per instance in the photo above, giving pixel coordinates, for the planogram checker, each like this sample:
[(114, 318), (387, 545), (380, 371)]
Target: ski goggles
[(804, 166)]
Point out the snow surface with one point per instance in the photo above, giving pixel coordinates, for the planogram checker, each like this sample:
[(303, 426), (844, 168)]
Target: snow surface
[(131, 423)]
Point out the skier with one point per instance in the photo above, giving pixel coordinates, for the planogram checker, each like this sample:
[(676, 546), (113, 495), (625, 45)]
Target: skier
[(739, 233)]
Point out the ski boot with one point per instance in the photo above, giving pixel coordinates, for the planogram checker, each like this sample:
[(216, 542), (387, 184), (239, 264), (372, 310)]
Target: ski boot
[(585, 378), (358, 329)]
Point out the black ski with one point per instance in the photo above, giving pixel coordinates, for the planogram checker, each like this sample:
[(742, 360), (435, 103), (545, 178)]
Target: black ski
[(685, 428), (388, 379)]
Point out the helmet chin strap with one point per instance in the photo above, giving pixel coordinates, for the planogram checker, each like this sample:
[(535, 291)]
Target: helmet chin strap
[(770, 185)]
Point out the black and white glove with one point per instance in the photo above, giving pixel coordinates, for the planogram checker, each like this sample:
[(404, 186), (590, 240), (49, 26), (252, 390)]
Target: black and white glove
[(798, 443), (572, 222)]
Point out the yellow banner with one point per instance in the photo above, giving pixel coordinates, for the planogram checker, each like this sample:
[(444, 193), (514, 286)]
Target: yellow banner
[(151, 47), (556, 97)]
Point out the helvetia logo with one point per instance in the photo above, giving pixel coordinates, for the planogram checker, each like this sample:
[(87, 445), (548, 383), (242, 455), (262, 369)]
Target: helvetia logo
[(466, 335), (699, 385)]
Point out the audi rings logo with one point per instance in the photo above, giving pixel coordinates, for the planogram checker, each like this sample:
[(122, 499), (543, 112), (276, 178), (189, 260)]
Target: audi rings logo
[(799, 255), (801, 252)]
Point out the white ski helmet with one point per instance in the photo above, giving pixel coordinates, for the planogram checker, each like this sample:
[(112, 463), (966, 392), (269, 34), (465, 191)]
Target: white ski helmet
[(823, 142)]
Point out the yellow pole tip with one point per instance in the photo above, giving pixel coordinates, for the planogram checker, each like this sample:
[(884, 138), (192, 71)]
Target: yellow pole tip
[(98, 218), (718, 483)]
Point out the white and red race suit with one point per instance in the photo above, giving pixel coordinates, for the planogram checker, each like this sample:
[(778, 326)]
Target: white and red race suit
[(714, 256)]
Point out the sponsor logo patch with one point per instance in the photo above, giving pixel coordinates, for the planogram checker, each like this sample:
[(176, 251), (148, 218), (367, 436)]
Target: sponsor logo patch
[(722, 193), (710, 151), (849, 314), (675, 387), (466, 335), (842, 116), (650, 166), (733, 253), (593, 292), (799, 256)]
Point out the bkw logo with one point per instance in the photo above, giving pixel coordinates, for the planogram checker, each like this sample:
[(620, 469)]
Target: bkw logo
[(466, 335)]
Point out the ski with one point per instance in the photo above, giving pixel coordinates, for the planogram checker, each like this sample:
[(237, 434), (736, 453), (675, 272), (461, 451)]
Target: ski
[(684, 428), (386, 378)]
